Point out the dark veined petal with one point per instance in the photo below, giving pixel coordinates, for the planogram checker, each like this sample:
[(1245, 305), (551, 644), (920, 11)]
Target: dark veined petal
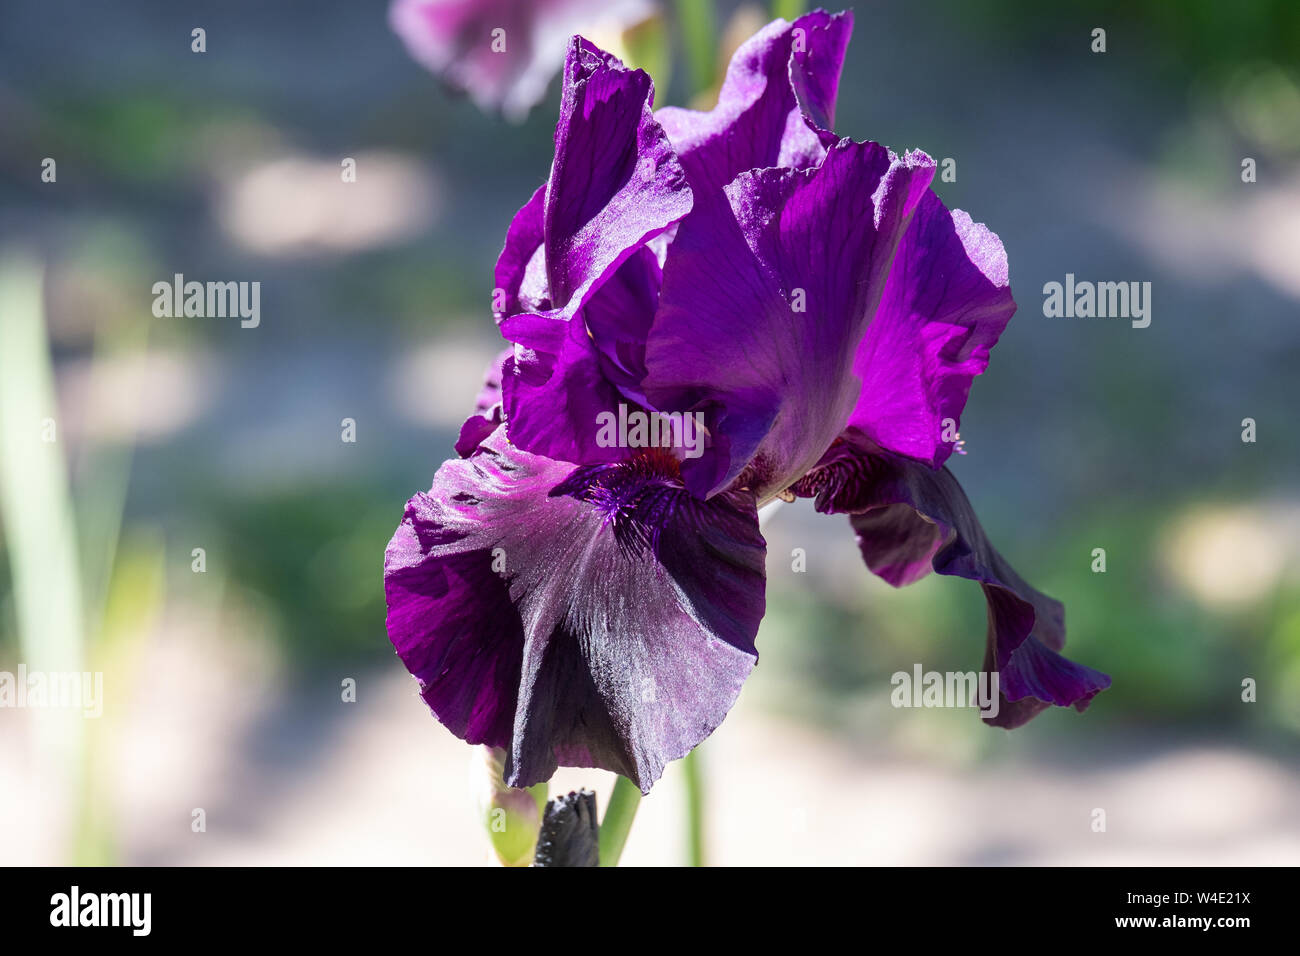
[(765, 300), (946, 303), (909, 518), (615, 629), (780, 84), (502, 53)]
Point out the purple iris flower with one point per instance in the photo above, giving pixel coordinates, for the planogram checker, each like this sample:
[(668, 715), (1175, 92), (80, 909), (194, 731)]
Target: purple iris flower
[(502, 53), (807, 299)]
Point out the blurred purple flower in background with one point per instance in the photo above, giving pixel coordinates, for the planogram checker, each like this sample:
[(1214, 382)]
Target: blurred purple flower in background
[(503, 53), (813, 305)]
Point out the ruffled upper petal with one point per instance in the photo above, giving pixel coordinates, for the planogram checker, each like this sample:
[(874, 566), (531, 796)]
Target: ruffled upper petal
[(615, 628), (615, 181), (619, 314), (906, 516), (775, 106), (615, 188), (946, 303), (615, 184), (765, 300)]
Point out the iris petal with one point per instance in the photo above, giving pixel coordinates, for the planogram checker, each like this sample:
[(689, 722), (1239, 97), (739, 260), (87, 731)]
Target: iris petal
[(906, 516), (764, 303), (617, 629), (615, 181), (776, 102), (555, 387), (615, 186), (521, 267), (945, 304)]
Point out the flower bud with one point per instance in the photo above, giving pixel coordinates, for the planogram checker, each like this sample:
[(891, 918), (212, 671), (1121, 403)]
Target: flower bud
[(511, 817)]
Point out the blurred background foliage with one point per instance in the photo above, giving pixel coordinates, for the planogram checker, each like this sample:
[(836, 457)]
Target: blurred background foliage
[(375, 307)]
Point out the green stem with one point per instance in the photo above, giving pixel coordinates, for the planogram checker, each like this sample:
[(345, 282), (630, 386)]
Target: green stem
[(788, 9), (694, 808), (699, 34), (619, 814)]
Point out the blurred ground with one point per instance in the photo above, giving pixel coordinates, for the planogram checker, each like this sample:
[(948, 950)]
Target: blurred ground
[(306, 779)]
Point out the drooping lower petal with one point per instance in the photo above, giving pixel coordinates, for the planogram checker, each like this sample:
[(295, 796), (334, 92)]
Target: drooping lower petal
[(764, 303), (598, 617), (910, 518)]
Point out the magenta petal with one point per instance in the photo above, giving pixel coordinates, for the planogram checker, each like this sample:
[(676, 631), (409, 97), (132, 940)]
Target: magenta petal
[(475, 429), (764, 303), (906, 516), (945, 305), (816, 63), (619, 314), (555, 388), (615, 182), (566, 373), (779, 81), (615, 185), (615, 628), (1036, 677)]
